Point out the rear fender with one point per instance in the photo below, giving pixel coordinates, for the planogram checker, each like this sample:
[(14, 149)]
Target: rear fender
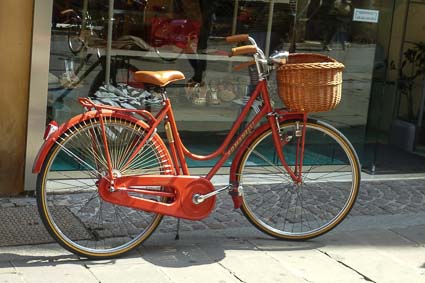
[(50, 142)]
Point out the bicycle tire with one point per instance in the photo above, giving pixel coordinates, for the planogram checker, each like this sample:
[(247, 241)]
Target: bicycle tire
[(75, 43), (67, 197), (121, 73), (173, 51), (161, 51), (279, 207)]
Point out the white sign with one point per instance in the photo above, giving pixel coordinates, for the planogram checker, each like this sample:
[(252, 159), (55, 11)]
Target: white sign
[(368, 16)]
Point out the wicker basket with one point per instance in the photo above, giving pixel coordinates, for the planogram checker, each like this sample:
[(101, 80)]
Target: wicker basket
[(310, 82)]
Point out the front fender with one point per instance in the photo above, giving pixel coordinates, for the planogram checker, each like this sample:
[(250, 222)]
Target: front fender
[(50, 142), (236, 197)]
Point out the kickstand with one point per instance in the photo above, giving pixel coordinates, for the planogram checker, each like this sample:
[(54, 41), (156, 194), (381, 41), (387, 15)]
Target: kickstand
[(177, 230)]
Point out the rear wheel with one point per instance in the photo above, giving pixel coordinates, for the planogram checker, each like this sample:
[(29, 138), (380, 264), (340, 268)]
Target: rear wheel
[(67, 193), (278, 206)]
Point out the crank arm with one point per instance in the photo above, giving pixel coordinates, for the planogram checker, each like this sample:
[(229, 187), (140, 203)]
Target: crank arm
[(198, 198)]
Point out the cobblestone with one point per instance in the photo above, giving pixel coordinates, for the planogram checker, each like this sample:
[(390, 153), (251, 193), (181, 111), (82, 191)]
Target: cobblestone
[(375, 198)]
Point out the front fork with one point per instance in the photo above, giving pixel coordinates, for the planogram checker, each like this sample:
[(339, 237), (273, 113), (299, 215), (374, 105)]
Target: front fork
[(280, 139)]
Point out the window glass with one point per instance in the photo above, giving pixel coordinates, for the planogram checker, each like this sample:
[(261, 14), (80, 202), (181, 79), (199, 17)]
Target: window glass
[(189, 36)]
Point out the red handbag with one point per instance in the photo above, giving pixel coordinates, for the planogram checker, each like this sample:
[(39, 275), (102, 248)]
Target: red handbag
[(183, 33)]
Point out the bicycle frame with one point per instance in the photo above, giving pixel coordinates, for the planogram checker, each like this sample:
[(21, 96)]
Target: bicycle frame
[(178, 150), (228, 147), (192, 197)]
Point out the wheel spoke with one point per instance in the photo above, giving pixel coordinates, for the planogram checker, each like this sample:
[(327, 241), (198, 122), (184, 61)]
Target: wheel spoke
[(283, 208), (68, 198)]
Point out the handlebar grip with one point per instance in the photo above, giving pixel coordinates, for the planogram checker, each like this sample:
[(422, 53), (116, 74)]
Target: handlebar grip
[(237, 38), (242, 50)]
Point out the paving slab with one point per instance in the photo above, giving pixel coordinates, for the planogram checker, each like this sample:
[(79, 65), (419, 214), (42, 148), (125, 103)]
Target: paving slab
[(249, 263), (415, 234), (7, 268), (54, 272), (186, 262), (377, 255), (310, 264), (128, 270), (234, 256), (11, 278)]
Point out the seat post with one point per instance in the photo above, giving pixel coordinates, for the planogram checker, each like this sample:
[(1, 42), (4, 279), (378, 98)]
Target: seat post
[(163, 92)]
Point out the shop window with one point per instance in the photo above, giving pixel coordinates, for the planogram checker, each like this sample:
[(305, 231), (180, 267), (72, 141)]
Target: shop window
[(189, 36)]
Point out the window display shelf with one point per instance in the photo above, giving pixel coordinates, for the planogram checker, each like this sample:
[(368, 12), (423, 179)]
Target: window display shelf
[(168, 55)]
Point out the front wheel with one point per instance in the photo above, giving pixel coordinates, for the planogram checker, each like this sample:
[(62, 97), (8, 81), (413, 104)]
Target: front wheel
[(75, 39), (280, 207), (68, 199)]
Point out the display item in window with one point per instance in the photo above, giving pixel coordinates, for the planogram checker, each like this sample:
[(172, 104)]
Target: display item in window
[(336, 19), (226, 91), (213, 93)]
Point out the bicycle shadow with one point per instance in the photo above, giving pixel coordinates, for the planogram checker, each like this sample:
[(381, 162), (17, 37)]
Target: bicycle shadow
[(163, 251), (196, 250), (17, 260)]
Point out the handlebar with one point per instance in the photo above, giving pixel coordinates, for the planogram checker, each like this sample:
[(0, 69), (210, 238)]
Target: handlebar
[(276, 59)]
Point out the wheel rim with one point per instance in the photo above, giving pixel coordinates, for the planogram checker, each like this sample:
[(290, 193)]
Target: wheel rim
[(74, 39), (73, 210), (169, 52), (284, 209)]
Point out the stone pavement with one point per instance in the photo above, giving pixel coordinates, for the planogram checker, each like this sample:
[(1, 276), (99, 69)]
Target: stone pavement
[(374, 254), (378, 196), (383, 240)]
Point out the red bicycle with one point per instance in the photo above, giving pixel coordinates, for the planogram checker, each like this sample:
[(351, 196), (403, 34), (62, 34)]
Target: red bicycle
[(106, 178)]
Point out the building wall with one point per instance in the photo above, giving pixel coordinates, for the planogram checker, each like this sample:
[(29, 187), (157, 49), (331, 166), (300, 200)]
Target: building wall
[(16, 18), (388, 104), (414, 32)]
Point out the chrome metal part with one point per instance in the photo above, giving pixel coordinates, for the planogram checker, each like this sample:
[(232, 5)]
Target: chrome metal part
[(240, 190), (298, 130), (276, 118), (198, 198)]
